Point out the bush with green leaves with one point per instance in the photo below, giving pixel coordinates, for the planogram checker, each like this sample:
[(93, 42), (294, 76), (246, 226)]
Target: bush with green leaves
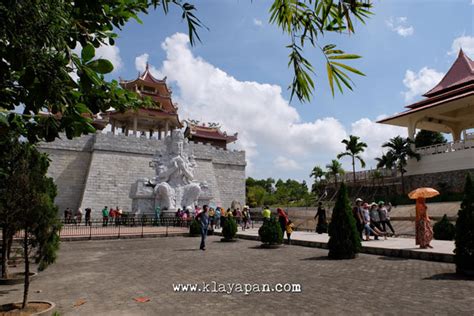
[(464, 252), (344, 240), (195, 228), (229, 228), (270, 232), (444, 229)]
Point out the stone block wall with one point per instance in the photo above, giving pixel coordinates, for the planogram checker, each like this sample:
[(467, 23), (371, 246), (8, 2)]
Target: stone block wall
[(452, 181), (101, 169)]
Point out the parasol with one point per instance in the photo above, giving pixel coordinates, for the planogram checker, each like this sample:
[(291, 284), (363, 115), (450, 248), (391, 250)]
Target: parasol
[(423, 193)]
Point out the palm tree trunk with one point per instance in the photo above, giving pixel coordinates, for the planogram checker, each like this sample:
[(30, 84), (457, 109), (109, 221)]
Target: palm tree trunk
[(353, 170), (403, 182)]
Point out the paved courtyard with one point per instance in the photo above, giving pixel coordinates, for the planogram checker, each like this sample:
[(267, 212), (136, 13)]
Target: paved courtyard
[(106, 276)]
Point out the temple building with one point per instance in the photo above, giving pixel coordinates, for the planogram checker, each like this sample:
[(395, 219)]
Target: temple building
[(158, 121), (105, 168), (448, 108), (208, 135)]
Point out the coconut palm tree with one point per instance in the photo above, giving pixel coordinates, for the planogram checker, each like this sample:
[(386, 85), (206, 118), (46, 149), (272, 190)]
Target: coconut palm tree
[(399, 152), (353, 149), (317, 173), (334, 169)]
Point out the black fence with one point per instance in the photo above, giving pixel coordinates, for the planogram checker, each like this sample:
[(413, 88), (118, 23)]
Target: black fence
[(120, 227)]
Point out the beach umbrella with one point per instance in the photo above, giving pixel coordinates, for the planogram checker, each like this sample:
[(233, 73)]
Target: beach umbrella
[(423, 193)]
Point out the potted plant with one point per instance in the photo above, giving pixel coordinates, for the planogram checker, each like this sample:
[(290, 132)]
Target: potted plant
[(229, 230), (444, 229), (344, 240), (464, 252), (270, 233)]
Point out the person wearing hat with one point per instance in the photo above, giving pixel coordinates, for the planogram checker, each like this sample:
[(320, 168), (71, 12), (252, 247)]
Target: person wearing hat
[(384, 217), (358, 216), (375, 218)]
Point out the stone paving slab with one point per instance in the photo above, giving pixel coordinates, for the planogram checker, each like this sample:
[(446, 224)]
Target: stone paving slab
[(396, 247), (108, 275)]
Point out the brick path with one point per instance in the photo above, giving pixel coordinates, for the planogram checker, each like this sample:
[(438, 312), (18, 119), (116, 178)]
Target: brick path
[(109, 274)]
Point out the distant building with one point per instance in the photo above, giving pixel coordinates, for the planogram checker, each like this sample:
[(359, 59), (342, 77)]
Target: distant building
[(101, 169), (447, 108), (208, 135)]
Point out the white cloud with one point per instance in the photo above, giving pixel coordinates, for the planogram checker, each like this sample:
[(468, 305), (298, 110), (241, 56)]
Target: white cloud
[(374, 135), (401, 26), (421, 82), (112, 53), (269, 128), (472, 2), (257, 22), (286, 164), (464, 42)]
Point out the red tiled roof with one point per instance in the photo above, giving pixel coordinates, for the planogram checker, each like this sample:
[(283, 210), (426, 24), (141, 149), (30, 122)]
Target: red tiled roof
[(460, 73), (210, 133)]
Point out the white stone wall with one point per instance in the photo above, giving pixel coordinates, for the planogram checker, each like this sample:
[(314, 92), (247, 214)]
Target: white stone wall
[(100, 169)]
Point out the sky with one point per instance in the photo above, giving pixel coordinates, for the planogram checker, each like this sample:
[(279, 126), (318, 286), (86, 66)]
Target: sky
[(238, 76)]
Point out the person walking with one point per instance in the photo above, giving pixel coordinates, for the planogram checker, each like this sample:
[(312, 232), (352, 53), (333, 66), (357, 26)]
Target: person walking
[(289, 230), (88, 216), (424, 232), (385, 218), (105, 216), (358, 216), (157, 216), (283, 220), (266, 213), (217, 217), (203, 218), (321, 226), (245, 217)]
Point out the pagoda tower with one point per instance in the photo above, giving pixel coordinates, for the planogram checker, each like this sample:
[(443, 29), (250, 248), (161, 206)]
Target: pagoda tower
[(161, 119)]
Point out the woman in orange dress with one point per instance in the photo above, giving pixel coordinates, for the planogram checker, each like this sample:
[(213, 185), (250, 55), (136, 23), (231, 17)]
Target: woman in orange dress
[(424, 232)]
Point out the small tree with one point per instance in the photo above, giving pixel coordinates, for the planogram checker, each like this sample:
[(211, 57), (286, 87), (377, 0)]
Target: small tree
[(270, 232), (229, 229), (34, 211), (428, 138), (464, 252), (195, 228), (344, 240), (444, 229)]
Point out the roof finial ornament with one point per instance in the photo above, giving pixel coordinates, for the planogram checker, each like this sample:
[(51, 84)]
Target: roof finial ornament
[(147, 66)]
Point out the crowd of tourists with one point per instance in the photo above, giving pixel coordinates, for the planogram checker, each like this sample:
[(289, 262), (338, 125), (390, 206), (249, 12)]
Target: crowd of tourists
[(242, 217), (373, 219)]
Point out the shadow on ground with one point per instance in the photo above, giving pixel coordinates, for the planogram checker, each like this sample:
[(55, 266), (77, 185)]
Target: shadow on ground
[(320, 258), (450, 276)]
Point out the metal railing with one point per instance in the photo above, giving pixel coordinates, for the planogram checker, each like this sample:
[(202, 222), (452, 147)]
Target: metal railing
[(117, 228)]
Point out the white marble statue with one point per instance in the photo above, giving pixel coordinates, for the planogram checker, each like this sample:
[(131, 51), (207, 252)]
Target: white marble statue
[(174, 186)]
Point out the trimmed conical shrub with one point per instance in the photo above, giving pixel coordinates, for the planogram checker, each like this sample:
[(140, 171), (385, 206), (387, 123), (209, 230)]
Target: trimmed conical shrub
[(444, 229), (464, 252), (195, 228), (270, 232), (229, 228), (344, 240)]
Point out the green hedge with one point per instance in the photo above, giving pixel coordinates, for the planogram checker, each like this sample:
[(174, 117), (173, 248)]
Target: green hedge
[(195, 228), (464, 252), (444, 229), (229, 228), (270, 232)]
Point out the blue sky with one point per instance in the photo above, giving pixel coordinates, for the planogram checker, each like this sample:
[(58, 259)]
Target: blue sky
[(238, 75)]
